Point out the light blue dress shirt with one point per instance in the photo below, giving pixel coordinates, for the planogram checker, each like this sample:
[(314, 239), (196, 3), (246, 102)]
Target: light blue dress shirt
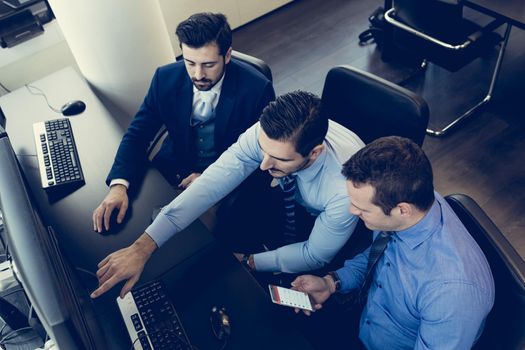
[(321, 190), (432, 288)]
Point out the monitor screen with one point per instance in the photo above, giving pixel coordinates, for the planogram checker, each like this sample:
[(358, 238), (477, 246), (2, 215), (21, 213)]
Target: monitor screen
[(41, 269)]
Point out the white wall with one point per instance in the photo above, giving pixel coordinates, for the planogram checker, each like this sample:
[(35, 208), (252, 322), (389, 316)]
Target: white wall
[(49, 52), (238, 12), (117, 45)]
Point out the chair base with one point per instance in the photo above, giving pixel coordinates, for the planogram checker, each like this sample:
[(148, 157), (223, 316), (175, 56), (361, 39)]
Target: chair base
[(485, 100), (470, 112)]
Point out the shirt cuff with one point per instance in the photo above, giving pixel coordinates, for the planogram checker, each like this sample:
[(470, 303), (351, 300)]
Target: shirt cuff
[(348, 279), (119, 182), (266, 261), (161, 229)]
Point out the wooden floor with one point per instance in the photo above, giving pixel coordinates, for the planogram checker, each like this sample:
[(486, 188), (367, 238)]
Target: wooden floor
[(483, 158)]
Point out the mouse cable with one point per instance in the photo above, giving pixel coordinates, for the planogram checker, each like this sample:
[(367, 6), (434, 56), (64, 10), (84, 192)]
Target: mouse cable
[(3, 87), (87, 272), (41, 93)]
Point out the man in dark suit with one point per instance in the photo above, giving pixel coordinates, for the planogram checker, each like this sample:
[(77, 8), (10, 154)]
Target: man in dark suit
[(205, 101)]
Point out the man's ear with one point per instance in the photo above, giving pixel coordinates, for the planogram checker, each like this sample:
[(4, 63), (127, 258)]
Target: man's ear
[(405, 209), (316, 151), (228, 56)]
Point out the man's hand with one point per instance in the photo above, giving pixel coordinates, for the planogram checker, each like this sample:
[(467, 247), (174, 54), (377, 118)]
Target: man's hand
[(319, 289), (124, 264), (184, 184), (116, 198)]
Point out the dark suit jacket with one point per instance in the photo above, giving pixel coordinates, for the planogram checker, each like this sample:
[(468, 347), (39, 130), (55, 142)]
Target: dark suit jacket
[(244, 94)]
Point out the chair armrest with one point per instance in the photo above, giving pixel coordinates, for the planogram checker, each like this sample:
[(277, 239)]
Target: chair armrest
[(389, 17), (469, 208)]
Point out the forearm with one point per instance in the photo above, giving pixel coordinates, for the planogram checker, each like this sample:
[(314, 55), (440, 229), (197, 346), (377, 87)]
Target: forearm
[(292, 258), (131, 156), (332, 288), (146, 244), (352, 274), (219, 179)]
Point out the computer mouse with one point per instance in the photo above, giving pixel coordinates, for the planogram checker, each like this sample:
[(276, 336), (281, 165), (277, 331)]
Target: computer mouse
[(114, 226), (220, 322), (73, 108)]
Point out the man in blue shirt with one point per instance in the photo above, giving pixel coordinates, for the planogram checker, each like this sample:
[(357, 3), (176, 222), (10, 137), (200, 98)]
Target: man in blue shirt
[(432, 287), (291, 138)]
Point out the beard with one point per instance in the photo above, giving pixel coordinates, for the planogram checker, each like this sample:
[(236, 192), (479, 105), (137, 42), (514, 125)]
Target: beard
[(278, 173), (205, 84)]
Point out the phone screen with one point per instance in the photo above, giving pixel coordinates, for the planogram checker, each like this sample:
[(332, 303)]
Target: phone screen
[(290, 297)]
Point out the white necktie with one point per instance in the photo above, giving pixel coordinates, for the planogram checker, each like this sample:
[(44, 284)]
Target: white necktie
[(204, 109)]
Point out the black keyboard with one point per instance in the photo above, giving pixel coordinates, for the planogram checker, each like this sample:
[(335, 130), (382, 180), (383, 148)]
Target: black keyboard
[(151, 319), (57, 154)]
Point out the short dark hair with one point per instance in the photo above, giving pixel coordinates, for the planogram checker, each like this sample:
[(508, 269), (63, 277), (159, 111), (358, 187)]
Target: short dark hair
[(398, 170), (205, 28), (295, 117)]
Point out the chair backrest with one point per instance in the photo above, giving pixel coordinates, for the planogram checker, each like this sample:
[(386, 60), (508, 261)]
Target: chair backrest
[(505, 325), (256, 63), (373, 107), (437, 31), (441, 19)]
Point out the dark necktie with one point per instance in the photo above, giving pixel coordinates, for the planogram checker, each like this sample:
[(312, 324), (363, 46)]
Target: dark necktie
[(376, 251), (288, 186)]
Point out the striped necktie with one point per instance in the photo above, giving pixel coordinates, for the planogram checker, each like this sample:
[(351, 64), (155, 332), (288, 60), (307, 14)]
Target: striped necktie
[(376, 251), (288, 186)]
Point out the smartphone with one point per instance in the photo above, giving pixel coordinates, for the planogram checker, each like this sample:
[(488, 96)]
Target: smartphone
[(290, 297)]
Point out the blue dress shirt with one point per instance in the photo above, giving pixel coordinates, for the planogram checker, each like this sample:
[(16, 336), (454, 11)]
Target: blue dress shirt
[(432, 288), (321, 190)]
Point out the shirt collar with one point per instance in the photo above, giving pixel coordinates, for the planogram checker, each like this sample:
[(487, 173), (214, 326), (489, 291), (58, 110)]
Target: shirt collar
[(216, 88), (426, 227), (308, 174)]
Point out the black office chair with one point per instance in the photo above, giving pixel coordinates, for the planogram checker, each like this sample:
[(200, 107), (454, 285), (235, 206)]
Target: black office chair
[(254, 62), (437, 31), (373, 107), (505, 325)]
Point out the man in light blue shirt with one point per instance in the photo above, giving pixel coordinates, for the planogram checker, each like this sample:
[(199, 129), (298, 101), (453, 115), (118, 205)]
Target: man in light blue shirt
[(432, 287), (291, 138)]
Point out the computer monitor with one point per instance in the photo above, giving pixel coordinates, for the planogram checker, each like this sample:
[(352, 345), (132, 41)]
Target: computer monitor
[(51, 287)]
